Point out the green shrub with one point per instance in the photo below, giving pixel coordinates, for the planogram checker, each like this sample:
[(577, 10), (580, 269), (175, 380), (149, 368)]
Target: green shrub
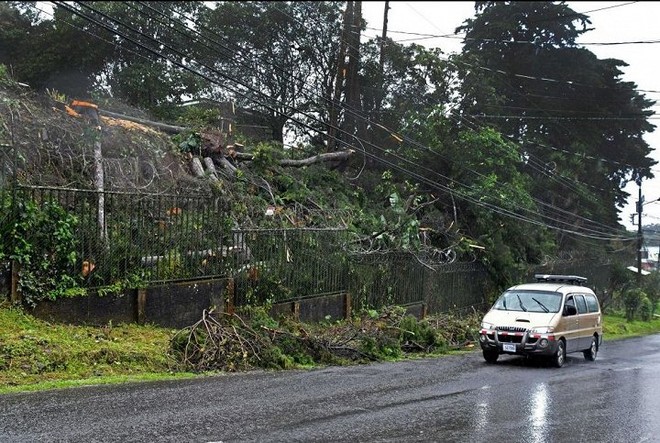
[(5, 76), (42, 240), (645, 309), (632, 300), (417, 331)]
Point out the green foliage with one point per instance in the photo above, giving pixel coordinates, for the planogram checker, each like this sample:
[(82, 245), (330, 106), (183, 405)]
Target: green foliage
[(198, 117), (651, 287), (57, 96), (617, 151), (268, 289), (118, 287), (5, 77), (43, 242), (188, 141), (419, 332), (645, 309), (633, 299), (382, 346), (258, 316), (265, 158)]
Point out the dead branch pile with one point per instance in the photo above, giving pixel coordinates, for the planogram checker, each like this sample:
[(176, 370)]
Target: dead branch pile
[(230, 342)]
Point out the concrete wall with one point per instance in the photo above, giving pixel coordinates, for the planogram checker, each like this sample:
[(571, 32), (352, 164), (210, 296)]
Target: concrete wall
[(92, 309), (175, 305), (180, 305), (314, 309)]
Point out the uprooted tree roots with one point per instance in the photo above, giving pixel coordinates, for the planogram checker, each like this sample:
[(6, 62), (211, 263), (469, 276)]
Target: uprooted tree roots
[(233, 342)]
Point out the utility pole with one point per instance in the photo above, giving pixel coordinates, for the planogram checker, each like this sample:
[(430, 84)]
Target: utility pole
[(352, 124), (383, 38), (640, 238), (381, 66), (335, 99)]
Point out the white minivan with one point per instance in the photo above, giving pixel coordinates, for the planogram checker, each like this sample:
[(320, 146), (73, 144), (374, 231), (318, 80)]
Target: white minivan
[(555, 316)]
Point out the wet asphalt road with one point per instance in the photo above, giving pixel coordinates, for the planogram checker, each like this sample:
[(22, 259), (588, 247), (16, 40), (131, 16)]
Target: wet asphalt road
[(451, 399)]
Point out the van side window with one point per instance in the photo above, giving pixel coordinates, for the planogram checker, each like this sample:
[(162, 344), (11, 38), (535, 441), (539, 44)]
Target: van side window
[(581, 304), (592, 303), (569, 301)]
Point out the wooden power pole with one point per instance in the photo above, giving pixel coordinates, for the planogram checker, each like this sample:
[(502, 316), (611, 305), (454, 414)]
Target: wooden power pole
[(640, 235)]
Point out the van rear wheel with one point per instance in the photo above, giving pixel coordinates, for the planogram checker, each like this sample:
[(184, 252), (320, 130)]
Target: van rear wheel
[(491, 356), (590, 354)]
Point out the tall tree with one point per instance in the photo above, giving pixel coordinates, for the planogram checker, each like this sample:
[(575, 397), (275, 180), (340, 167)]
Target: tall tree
[(56, 53), (151, 44), (581, 126), (130, 50), (276, 58)]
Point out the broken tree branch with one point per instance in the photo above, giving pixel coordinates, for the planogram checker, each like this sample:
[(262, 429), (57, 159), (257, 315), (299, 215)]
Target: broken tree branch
[(161, 126), (329, 156)]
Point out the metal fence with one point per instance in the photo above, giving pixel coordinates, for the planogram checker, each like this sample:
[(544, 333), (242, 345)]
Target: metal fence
[(99, 239), (384, 279), (122, 235), (284, 264)]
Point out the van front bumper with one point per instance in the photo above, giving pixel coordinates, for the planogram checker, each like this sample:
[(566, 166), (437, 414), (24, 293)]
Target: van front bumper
[(517, 343)]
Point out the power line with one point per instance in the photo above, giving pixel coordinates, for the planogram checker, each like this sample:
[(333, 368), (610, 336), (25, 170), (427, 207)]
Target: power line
[(423, 179)]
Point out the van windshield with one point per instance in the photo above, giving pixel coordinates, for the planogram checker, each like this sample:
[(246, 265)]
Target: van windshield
[(529, 301)]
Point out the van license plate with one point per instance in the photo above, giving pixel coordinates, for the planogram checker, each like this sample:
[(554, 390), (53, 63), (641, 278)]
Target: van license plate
[(508, 347)]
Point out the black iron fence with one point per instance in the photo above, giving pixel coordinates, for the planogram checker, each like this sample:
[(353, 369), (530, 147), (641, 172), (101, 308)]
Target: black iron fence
[(99, 239), (283, 264), (383, 279)]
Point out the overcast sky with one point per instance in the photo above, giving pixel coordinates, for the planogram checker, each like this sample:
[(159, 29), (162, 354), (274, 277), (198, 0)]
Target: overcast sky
[(612, 22)]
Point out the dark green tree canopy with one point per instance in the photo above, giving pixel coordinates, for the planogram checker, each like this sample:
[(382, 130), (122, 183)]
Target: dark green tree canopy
[(281, 57), (581, 126)]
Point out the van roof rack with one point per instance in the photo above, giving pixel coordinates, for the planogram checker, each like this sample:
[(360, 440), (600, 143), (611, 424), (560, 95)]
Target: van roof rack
[(575, 279)]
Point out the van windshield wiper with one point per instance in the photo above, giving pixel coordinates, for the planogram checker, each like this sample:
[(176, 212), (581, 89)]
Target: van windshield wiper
[(521, 303), (541, 305)]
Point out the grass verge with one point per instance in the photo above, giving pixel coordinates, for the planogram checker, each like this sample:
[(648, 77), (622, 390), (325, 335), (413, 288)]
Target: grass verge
[(37, 355), (617, 327)]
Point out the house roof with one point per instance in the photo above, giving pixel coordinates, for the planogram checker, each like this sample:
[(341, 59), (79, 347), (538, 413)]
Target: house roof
[(634, 269)]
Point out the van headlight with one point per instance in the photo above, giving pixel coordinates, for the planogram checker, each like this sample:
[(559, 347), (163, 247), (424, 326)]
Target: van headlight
[(542, 330), (487, 326)]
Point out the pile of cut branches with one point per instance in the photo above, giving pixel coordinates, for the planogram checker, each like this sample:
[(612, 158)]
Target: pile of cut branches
[(252, 339)]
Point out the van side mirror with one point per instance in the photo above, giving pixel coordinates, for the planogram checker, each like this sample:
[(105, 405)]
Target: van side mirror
[(570, 310)]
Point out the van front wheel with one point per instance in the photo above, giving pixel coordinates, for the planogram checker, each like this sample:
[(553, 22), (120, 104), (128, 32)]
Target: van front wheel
[(491, 356), (559, 358)]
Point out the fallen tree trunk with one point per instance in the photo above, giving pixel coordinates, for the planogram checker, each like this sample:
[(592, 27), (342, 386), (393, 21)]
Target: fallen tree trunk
[(226, 164), (197, 168), (210, 166), (329, 156), (161, 126)]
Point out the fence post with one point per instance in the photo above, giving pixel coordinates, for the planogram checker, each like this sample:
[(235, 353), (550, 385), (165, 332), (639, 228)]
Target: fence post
[(15, 295), (230, 297), (141, 303), (347, 306)]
